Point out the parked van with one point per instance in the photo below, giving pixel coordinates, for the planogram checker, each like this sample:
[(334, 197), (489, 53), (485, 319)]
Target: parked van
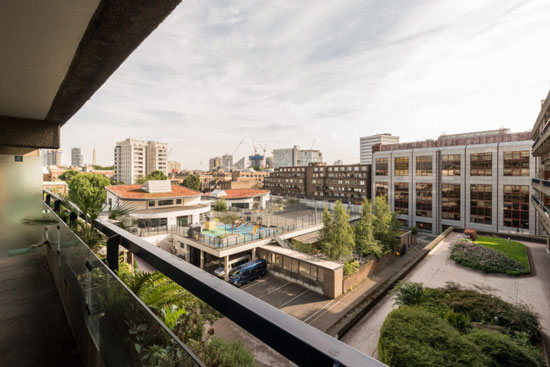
[(248, 272), (231, 265)]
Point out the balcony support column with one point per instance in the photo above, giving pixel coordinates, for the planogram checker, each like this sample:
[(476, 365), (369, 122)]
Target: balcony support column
[(202, 259), (253, 254), (112, 252), (226, 267)]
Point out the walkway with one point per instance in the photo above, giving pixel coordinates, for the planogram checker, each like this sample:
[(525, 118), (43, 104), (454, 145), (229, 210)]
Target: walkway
[(33, 328), (437, 269)]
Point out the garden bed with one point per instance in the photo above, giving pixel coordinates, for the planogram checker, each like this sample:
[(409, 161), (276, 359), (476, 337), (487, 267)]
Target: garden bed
[(514, 249), (482, 256), (453, 326)]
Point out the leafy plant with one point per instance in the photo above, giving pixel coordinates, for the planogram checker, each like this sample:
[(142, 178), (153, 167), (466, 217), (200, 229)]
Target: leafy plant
[(120, 210), (221, 205), (365, 243), (351, 267), (337, 237), (193, 182), (408, 293), (68, 175)]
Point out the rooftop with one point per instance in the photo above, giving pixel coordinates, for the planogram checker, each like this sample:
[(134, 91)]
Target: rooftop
[(135, 192), (303, 257)]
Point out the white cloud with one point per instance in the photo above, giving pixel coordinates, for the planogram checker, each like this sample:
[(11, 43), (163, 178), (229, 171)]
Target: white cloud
[(287, 72)]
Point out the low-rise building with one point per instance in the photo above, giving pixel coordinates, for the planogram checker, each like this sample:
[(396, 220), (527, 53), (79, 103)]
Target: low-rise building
[(159, 203)]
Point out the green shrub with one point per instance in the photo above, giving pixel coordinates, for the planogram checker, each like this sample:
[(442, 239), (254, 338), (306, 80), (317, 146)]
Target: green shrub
[(501, 350), (478, 257), (220, 206), (457, 320), (408, 293), (220, 353), (415, 337), (351, 267)]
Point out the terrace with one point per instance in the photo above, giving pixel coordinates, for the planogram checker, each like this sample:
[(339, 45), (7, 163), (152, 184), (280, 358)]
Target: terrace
[(62, 305)]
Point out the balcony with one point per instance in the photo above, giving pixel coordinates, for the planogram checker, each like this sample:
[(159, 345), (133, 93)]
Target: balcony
[(542, 186), (544, 213), (97, 295), (542, 142)]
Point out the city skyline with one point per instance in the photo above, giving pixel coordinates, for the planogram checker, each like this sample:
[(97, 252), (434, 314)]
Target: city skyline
[(213, 74)]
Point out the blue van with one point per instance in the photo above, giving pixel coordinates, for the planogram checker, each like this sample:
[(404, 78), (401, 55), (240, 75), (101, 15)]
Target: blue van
[(246, 273)]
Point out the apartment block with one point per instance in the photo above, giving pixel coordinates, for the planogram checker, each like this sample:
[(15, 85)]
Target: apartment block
[(157, 157), (227, 162), (51, 157), (366, 144), (76, 157), (174, 166), (214, 163), (478, 180), (130, 160), (541, 183), (347, 183)]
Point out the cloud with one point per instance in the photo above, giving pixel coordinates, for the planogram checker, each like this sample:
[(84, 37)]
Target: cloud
[(286, 72)]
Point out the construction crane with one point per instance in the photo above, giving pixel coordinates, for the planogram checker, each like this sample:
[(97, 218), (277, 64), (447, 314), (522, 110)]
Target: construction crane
[(238, 145), (313, 143), (264, 148)]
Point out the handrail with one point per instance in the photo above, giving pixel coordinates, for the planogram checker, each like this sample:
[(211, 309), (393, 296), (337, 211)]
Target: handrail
[(294, 339)]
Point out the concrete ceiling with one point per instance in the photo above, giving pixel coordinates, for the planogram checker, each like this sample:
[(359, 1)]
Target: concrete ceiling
[(38, 40)]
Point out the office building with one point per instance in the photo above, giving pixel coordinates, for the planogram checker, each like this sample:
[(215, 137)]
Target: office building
[(366, 144), (214, 163), (294, 157), (51, 157), (227, 162), (541, 183), (348, 183), (478, 180), (76, 157)]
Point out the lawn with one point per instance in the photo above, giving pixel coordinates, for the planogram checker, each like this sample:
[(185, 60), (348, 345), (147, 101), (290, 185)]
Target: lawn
[(514, 250)]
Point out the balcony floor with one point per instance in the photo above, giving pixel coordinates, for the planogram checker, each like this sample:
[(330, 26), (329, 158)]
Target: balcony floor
[(33, 327)]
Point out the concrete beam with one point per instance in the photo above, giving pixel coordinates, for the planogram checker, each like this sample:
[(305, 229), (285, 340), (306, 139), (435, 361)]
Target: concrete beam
[(28, 134)]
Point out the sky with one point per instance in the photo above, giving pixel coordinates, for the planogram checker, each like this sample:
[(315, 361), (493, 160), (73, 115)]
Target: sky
[(320, 74)]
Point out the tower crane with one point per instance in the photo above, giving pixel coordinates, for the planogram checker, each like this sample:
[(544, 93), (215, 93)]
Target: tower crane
[(237, 147)]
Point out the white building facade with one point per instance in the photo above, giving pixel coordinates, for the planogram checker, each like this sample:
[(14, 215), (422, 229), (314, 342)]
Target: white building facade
[(366, 143), (136, 158), (480, 186)]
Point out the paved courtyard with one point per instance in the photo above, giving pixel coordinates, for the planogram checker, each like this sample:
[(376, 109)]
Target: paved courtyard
[(437, 269)]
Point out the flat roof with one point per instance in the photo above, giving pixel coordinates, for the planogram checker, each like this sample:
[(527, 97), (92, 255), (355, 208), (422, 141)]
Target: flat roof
[(303, 257)]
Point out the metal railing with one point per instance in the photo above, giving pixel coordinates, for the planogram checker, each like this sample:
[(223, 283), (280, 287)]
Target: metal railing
[(294, 339), (122, 327)]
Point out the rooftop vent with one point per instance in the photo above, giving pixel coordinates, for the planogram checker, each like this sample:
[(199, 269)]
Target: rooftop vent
[(157, 186)]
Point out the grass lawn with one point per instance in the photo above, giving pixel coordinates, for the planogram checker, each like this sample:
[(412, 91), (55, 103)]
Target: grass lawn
[(514, 250)]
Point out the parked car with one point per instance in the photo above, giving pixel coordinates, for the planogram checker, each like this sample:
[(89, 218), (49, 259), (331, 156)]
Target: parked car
[(248, 272), (231, 265)]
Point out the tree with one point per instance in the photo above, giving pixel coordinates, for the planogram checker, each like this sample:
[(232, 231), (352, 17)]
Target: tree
[(337, 237), (385, 223), (229, 219), (103, 168), (87, 191), (220, 206), (156, 175), (365, 243), (68, 175), (140, 180), (193, 182)]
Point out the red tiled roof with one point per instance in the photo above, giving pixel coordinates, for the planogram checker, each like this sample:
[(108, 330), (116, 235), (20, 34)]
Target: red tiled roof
[(135, 192), (241, 193)]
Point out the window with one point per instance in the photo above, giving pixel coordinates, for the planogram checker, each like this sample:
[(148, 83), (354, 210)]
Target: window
[(450, 165), (151, 202), (516, 163), (424, 165), (401, 166), (166, 202), (401, 197), (424, 200), (381, 189), (424, 226), (481, 164), (183, 220), (178, 201), (153, 222), (381, 166), (481, 208), (450, 201), (516, 206)]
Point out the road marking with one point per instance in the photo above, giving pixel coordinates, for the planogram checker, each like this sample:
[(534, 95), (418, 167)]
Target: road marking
[(275, 290), (293, 298), (260, 281), (322, 310)]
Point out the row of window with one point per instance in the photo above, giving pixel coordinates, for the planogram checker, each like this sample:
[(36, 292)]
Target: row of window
[(515, 210), (481, 164), (163, 202)]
